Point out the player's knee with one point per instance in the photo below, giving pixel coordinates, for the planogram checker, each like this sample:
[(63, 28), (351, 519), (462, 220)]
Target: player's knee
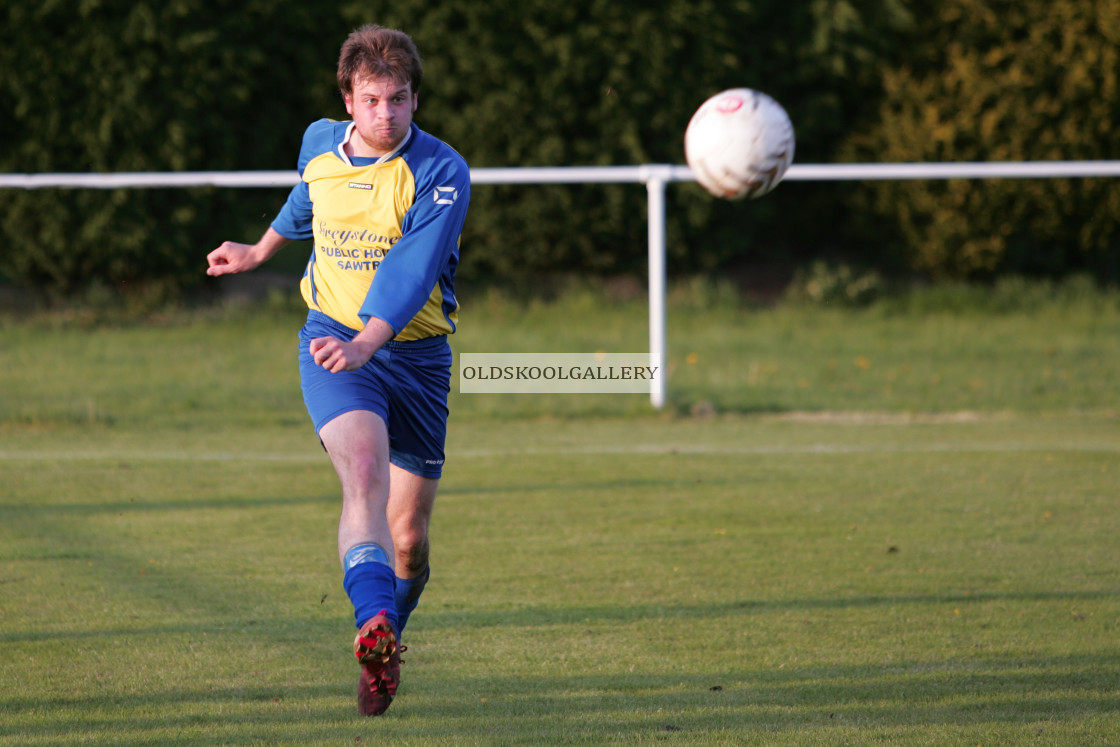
[(412, 551), (363, 475)]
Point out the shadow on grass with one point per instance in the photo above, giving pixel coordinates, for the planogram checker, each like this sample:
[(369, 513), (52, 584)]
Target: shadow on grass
[(92, 508), (993, 693), (528, 617), (620, 613), (220, 502), (185, 504)]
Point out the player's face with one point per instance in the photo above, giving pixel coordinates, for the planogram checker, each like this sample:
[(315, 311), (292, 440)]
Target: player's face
[(382, 112)]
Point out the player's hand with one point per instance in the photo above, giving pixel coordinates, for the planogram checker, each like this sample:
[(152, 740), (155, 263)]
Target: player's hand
[(335, 355), (232, 257)]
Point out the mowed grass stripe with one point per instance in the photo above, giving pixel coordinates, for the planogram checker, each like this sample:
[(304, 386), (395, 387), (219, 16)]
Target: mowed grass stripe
[(977, 448)]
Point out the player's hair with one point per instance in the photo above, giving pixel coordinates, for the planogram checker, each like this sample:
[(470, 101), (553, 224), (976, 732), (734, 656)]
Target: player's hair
[(377, 52)]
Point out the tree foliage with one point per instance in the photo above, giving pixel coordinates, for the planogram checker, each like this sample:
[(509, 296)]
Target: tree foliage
[(1002, 81), (538, 83), (140, 85), (145, 85)]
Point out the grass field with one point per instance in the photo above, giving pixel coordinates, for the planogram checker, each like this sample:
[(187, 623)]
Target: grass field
[(894, 525)]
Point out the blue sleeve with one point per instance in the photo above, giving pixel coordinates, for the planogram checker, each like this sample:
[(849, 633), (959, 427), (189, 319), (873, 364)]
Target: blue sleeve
[(429, 236), (294, 219)]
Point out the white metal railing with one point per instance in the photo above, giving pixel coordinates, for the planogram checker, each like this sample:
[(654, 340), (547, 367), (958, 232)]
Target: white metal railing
[(655, 176), (586, 174)]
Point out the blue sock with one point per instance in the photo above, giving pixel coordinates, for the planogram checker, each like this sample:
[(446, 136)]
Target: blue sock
[(408, 595), (370, 583)]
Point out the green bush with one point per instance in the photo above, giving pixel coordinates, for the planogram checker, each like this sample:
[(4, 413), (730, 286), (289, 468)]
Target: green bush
[(148, 86), (835, 285), (212, 84), (597, 82), (1001, 81), (216, 85)]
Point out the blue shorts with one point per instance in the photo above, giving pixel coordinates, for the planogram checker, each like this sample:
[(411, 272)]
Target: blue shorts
[(406, 383)]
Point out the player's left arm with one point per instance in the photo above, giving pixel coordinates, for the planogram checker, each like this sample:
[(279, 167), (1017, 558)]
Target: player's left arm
[(430, 234)]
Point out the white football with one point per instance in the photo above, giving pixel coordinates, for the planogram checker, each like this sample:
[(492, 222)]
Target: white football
[(739, 144)]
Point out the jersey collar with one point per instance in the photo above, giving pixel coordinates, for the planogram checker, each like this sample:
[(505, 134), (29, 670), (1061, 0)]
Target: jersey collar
[(381, 159)]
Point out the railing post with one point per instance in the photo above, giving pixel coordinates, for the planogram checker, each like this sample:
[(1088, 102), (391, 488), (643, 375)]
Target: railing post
[(656, 177)]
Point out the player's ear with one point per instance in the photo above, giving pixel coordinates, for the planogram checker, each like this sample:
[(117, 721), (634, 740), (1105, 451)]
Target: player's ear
[(415, 102), (348, 100)]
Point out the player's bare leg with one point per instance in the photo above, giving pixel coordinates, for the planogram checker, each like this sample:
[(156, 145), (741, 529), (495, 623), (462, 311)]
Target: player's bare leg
[(411, 500), (358, 444)]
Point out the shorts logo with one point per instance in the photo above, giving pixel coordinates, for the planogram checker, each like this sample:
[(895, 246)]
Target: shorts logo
[(359, 185), (445, 195), (433, 461)]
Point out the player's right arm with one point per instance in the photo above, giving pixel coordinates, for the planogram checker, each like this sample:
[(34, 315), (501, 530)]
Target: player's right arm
[(293, 221), (232, 257)]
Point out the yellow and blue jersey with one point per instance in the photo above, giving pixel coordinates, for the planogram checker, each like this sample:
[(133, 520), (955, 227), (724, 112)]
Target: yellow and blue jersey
[(386, 234)]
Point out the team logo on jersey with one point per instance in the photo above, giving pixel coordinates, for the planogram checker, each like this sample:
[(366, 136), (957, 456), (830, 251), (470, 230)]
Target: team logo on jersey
[(445, 195)]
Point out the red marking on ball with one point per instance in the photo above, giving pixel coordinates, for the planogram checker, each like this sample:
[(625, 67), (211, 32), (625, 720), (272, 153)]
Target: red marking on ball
[(730, 104)]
